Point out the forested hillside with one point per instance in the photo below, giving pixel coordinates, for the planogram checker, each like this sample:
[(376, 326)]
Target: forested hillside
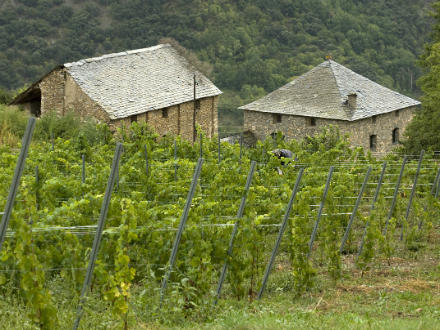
[(254, 46)]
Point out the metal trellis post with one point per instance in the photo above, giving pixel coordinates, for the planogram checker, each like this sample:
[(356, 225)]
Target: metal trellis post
[(98, 234), (376, 195), (321, 207), (16, 178), (201, 145), (356, 206), (280, 233), (52, 140), (413, 191), (433, 193), (241, 146), (235, 230), (181, 228), (175, 160), (219, 147), (147, 167), (437, 189), (396, 192), (434, 185), (37, 184), (83, 171)]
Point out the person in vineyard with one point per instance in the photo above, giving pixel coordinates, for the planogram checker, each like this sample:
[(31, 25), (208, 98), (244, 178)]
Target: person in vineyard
[(282, 154)]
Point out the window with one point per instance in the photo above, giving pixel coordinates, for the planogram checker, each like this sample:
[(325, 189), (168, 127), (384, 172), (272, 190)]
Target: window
[(133, 119), (312, 121), (397, 113), (276, 118), (396, 135), (373, 119), (165, 113), (373, 142)]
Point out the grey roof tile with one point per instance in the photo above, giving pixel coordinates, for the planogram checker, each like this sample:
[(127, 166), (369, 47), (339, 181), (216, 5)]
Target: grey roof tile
[(323, 91), (136, 81)]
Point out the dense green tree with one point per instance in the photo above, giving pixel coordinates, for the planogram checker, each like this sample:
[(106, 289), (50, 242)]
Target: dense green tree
[(258, 43), (423, 132)]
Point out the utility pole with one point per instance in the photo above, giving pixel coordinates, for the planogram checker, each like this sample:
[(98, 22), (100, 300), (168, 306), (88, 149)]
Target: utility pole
[(195, 110)]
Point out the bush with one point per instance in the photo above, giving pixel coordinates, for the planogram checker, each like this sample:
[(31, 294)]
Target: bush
[(12, 125), (84, 133), (5, 96), (70, 126)]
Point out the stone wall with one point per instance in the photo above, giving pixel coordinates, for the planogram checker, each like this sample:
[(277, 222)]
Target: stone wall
[(178, 119), (296, 127), (207, 116), (76, 100), (52, 92)]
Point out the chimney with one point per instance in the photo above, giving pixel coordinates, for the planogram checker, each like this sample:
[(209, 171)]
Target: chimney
[(352, 101)]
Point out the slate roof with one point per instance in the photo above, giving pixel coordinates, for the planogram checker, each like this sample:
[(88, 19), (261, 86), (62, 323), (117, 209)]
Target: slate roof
[(137, 81), (323, 92)]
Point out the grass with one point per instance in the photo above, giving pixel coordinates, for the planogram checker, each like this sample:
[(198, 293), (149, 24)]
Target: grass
[(402, 294)]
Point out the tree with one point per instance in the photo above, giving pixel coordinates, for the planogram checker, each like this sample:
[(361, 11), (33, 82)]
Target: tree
[(423, 131)]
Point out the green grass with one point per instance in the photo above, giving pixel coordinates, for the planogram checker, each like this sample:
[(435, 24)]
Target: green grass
[(404, 294)]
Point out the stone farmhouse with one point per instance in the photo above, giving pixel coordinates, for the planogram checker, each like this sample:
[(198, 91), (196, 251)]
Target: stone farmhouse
[(154, 85), (330, 94)]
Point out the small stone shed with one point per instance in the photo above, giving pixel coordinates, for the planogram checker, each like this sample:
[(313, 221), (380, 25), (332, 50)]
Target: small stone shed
[(331, 94), (154, 85)]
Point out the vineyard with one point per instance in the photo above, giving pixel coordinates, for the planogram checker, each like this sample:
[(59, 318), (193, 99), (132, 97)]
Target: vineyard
[(157, 229)]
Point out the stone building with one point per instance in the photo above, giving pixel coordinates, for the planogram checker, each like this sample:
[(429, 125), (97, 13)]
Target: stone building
[(330, 94), (154, 85)]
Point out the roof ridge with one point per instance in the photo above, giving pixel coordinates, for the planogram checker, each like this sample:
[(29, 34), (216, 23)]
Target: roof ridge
[(111, 55), (338, 85)]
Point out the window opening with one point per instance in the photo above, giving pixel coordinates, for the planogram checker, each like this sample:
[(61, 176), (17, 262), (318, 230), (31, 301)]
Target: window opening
[(277, 118), (165, 113), (396, 135), (373, 142)]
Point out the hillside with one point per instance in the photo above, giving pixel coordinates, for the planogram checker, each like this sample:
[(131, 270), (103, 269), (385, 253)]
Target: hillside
[(253, 46)]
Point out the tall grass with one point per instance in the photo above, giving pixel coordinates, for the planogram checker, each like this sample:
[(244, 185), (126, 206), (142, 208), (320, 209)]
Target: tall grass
[(12, 125), (84, 132)]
